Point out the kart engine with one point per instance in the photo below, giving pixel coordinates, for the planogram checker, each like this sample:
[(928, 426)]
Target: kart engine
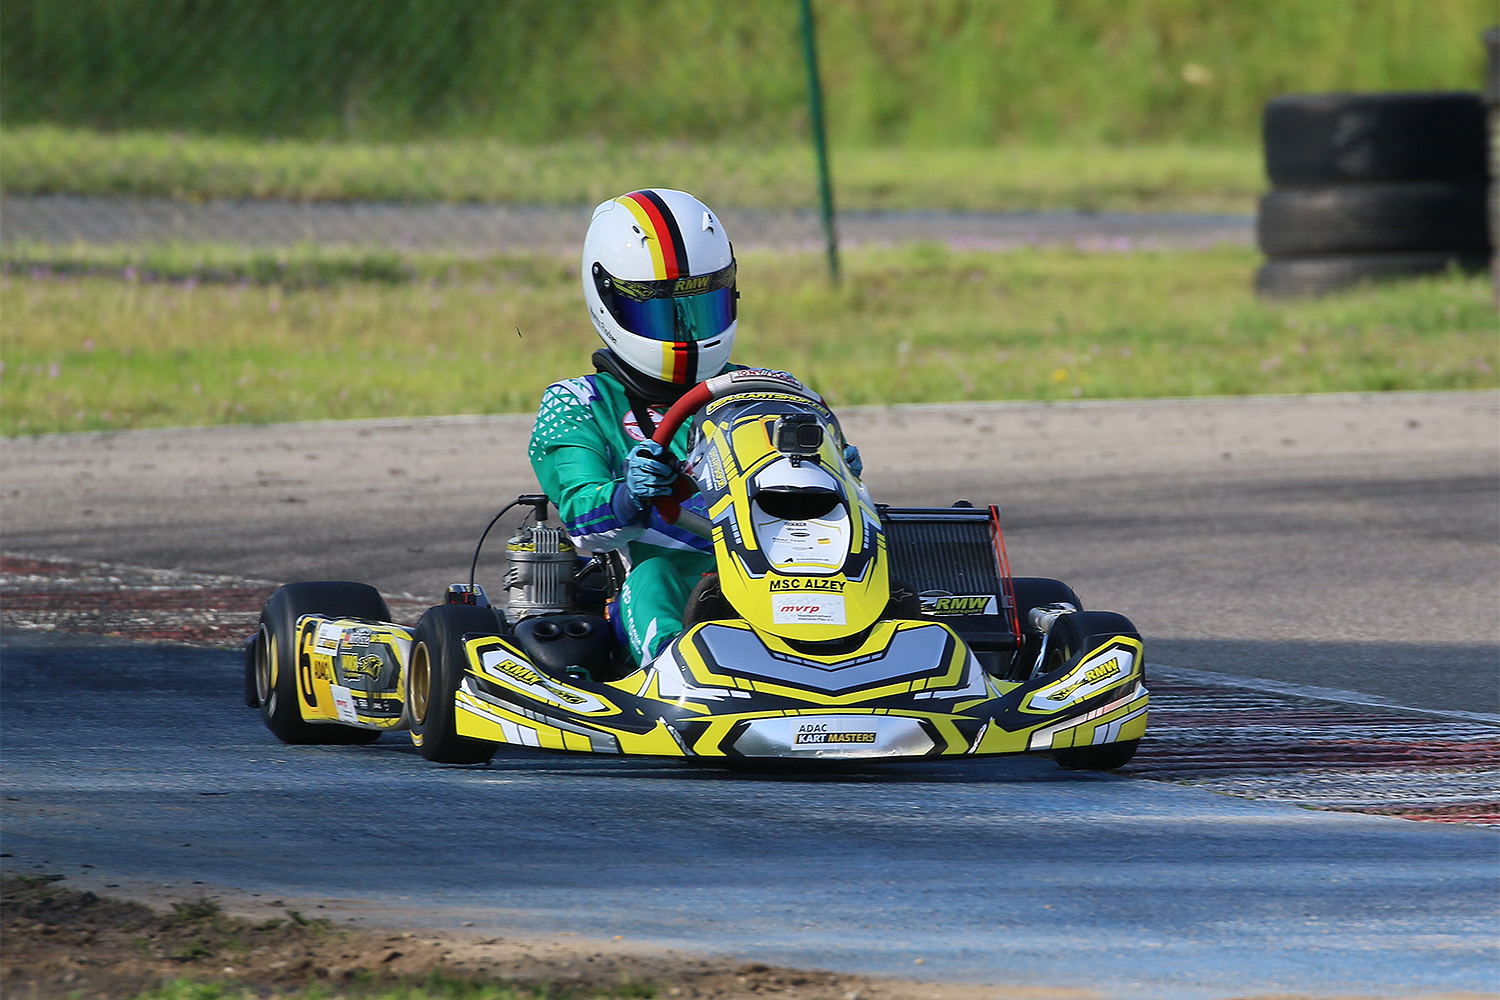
[(540, 578)]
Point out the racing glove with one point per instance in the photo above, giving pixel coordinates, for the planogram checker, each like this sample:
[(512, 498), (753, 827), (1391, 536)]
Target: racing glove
[(647, 477), (856, 466)]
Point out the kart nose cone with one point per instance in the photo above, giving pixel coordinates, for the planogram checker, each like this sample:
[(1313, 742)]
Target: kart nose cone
[(834, 737)]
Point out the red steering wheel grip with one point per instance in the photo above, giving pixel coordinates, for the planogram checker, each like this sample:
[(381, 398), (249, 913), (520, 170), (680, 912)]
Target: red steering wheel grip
[(699, 396), (691, 402)]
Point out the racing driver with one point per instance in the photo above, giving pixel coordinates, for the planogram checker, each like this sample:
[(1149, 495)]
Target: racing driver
[(659, 281)]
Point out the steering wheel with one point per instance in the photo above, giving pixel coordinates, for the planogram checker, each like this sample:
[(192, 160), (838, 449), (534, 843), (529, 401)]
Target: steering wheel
[(695, 399)]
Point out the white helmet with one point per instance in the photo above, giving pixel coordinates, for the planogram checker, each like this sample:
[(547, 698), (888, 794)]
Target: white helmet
[(658, 277)]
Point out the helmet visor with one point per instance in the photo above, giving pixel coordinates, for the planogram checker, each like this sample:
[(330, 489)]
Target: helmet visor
[(674, 310)]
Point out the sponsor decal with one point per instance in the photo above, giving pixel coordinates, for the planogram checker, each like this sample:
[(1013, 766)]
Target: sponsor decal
[(1103, 671), (741, 397), (633, 426), (818, 734), (716, 469), (519, 671), (742, 374), (806, 608), (361, 666), (328, 638), (358, 637), (1098, 672), (499, 665), (690, 285), (835, 736), (962, 604), (343, 703), (782, 583)]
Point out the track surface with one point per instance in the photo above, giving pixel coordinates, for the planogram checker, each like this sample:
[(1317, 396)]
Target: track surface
[(1009, 871), (65, 219), (1324, 561), (1342, 541)]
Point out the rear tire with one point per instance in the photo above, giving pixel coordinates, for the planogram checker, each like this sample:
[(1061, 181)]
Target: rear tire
[(276, 659), (436, 669)]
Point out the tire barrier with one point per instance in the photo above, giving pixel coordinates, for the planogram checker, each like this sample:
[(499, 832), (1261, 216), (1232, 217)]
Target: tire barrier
[(1369, 187)]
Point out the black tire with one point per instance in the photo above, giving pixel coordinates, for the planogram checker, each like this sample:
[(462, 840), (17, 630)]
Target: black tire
[(1373, 218), (1069, 637), (1375, 138), (1072, 635), (1101, 758), (1332, 273), (276, 658), (1035, 591), (252, 648), (432, 678)]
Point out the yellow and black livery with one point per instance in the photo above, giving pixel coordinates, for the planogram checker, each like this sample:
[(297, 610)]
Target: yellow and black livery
[(835, 628)]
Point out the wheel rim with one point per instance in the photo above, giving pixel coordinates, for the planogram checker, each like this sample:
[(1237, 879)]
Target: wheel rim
[(419, 683), (265, 670)]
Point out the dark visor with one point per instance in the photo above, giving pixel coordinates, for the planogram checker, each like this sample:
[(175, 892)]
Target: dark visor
[(673, 309)]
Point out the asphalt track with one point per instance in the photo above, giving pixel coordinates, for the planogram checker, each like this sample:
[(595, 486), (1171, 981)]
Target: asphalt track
[(1361, 555), (137, 760), (1342, 541), (475, 228)]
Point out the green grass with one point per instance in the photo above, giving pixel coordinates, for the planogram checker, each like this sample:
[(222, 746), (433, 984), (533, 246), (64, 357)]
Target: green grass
[(930, 74), (50, 160), (914, 325)]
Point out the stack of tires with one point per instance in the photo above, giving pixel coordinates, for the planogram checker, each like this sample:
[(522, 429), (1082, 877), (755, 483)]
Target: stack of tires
[(1369, 187)]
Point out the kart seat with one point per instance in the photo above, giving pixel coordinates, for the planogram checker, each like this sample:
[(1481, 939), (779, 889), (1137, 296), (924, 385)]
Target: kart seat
[(707, 603)]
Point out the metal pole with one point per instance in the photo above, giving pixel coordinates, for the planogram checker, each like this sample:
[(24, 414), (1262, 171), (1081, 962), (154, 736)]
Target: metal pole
[(820, 137)]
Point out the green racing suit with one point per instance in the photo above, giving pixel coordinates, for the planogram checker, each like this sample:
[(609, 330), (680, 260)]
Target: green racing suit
[(584, 429)]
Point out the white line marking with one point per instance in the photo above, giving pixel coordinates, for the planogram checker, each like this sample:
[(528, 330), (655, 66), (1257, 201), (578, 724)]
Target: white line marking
[(1210, 679)]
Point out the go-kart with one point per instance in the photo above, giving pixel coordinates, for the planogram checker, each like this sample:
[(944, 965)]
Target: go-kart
[(834, 627)]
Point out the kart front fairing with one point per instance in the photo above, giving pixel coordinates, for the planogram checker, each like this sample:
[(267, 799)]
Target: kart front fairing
[(797, 540)]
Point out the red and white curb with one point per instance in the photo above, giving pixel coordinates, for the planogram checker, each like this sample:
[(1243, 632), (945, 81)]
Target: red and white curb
[(1313, 747), (1324, 749)]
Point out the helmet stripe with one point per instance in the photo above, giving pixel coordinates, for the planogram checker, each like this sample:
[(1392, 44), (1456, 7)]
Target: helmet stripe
[(648, 227), (662, 226), (677, 264), (679, 362)]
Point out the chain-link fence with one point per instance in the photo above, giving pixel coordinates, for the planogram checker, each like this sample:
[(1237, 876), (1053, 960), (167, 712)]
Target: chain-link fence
[(387, 76), (897, 71)]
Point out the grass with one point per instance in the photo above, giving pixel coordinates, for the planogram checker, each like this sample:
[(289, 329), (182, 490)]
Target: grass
[(914, 325), (50, 160), (930, 74)]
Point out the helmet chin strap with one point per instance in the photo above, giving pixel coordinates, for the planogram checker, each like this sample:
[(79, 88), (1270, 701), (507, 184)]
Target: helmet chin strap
[(638, 385)]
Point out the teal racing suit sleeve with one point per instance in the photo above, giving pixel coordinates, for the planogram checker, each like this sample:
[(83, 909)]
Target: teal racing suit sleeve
[(579, 469)]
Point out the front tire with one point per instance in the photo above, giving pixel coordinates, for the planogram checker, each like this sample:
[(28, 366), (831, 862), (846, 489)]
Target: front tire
[(1100, 758), (275, 657), (436, 669), (1070, 636)]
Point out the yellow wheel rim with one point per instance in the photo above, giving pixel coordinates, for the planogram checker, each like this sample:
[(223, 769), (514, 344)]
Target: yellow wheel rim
[(419, 683)]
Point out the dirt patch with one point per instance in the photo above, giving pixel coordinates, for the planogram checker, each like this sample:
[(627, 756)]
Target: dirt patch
[(61, 942)]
